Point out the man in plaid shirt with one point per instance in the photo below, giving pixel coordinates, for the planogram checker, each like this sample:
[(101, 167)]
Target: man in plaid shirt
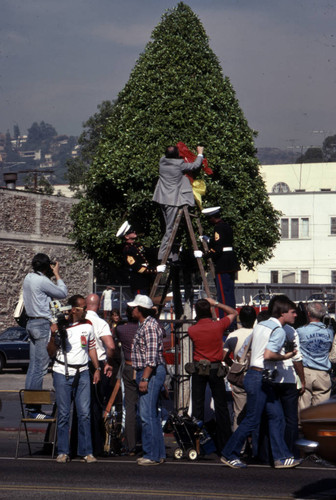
[(149, 364)]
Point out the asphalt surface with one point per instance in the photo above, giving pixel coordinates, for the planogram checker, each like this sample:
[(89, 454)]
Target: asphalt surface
[(40, 477)]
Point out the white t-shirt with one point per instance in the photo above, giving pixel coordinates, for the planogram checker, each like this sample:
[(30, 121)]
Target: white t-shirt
[(101, 329), (80, 339), (236, 339)]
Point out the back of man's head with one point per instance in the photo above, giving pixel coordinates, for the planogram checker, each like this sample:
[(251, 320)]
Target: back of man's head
[(203, 309), (172, 152), (41, 263), (92, 302), (280, 304), (247, 316), (316, 311)]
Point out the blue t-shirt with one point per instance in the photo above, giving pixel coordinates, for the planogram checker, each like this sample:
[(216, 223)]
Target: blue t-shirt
[(315, 343)]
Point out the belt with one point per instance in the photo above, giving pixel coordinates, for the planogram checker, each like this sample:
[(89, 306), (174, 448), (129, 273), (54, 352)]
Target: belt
[(212, 365), (38, 317), (255, 368), (227, 249)]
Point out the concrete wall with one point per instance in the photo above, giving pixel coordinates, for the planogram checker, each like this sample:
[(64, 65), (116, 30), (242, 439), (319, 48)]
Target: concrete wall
[(32, 223)]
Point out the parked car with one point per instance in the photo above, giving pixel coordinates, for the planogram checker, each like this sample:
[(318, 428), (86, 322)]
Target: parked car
[(14, 348), (319, 429), (261, 299), (327, 298)]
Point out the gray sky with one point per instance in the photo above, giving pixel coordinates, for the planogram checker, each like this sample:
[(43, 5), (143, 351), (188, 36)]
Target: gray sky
[(61, 58)]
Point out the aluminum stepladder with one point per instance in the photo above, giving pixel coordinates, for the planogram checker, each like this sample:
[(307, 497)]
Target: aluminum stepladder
[(183, 211)]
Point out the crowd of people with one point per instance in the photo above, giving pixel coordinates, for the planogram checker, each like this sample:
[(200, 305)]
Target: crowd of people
[(289, 369)]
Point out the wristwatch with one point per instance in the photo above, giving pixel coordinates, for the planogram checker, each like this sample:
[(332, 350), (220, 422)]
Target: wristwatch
[(98, 369), (144, 379)]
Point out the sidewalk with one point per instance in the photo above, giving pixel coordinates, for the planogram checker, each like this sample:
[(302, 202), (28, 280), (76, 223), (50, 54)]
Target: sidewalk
[(11, 381)]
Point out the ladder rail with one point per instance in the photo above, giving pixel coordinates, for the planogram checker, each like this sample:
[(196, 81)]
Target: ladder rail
[(199, 259)]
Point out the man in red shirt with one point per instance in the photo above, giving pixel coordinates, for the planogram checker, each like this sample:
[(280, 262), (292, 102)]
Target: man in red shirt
[(207, 337)]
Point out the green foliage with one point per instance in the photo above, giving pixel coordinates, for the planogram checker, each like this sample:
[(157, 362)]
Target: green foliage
[(38, 184), (40, 136), (312, 155), (176, 92), (16, 131), (329, 148)]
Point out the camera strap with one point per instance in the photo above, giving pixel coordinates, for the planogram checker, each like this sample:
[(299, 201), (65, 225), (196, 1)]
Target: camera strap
[(77, 368)]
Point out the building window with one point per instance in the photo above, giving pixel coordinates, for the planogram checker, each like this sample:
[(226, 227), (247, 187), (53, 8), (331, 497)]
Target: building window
[(305, 277), (296, 228), (284, 228), (304, 227), (332, 225), (280, 187), (333, 277), (274, 276), (288, 277)]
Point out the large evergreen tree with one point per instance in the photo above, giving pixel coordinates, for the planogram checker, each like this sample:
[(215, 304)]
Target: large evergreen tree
[(176, 92)]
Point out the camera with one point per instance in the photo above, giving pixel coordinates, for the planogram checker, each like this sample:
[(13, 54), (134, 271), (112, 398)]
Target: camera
[(289, 346), (60, 315), (268, 376)]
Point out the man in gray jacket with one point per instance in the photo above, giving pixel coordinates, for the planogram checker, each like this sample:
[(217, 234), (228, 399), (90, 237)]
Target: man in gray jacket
[(174, 189)]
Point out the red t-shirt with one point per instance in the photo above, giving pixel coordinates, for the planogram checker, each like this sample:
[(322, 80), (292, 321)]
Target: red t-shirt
[(207, 337)]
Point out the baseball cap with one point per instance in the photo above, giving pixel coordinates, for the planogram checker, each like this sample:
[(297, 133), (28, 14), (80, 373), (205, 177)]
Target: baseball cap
[(142, 301)]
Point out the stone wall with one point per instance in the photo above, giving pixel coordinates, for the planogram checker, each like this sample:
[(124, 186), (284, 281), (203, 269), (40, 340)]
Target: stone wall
[(32, 223)]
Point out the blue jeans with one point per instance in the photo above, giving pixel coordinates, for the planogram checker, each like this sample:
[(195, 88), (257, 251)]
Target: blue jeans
[(151, 429), (64, 393), (38, 330), (259, 396)]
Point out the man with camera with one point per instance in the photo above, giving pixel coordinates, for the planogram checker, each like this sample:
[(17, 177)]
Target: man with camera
[(38, 291), (71, 347), (268, 338)]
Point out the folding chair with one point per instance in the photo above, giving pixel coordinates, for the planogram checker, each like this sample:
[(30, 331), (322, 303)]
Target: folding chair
[(43, 397)]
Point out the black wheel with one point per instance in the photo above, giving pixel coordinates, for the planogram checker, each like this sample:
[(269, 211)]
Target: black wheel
[(178, 453), (192, 454), (2, 362)]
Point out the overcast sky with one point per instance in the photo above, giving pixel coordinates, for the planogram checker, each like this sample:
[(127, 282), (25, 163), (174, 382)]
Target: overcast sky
[(61, 58)]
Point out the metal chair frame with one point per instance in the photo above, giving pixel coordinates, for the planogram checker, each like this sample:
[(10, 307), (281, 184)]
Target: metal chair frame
[(42, 397)]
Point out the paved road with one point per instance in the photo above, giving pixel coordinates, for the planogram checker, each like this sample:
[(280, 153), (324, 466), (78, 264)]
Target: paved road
[(120, 478), (39, 477)]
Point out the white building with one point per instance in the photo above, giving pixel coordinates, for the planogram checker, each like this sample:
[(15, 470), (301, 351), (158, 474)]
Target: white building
[(305, 194)]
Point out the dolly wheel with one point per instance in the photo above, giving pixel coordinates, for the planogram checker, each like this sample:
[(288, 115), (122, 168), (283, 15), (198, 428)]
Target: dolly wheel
[(192, 454), (178, 453)]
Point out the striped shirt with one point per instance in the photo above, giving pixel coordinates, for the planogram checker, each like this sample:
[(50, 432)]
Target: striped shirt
[(147, 348)]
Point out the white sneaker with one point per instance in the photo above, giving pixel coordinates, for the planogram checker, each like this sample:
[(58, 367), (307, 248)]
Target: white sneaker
[(63, 458), (89, 459)]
